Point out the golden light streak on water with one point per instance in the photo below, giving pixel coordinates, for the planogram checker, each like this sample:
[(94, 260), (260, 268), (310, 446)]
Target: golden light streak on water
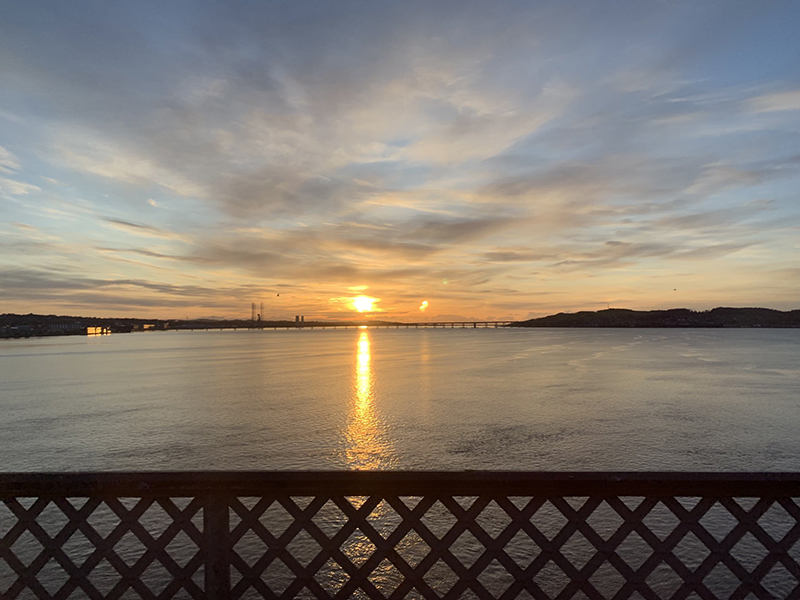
[(369, 447), (368, 442)]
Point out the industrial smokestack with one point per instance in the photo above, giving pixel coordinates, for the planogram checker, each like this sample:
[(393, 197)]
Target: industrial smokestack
[(252, 311)]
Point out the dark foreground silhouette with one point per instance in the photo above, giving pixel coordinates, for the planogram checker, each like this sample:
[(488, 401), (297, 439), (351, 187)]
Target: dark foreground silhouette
[(380, 534)]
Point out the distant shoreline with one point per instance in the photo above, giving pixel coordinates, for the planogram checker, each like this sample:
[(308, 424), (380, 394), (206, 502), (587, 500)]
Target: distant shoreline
[(672, 318), (31, 325)]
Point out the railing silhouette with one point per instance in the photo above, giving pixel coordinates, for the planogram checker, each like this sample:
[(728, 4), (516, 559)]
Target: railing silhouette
[(400, 534)]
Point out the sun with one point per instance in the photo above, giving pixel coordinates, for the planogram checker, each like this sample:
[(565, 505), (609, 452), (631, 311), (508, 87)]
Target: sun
[(363, 303)]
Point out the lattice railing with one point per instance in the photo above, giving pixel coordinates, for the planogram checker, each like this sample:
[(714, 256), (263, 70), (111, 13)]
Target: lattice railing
[(399, 534)]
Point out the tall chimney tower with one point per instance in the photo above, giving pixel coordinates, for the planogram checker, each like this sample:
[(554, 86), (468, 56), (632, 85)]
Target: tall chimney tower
[(252, 311)]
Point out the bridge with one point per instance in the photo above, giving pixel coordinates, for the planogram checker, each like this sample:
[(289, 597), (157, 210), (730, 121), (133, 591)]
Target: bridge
[(418, 325), (391, 535), (214, 325)]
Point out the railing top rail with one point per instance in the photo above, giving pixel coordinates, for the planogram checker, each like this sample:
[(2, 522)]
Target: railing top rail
[(403, 483)]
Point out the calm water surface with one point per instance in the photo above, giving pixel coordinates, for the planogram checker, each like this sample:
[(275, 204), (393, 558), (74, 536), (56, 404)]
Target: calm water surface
[(540, 399)]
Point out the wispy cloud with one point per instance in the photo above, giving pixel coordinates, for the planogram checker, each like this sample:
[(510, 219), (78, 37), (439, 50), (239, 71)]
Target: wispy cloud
[(13, 187), (776, 102), (8, 162), (142, 229)]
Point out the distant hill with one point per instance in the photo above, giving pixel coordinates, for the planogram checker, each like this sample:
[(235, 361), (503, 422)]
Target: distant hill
[(676, 317)]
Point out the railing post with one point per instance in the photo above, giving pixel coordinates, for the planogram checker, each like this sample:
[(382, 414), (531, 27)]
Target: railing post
[(216, 531)]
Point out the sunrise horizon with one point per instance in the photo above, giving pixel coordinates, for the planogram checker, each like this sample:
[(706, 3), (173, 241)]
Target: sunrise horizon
[(356, 316)]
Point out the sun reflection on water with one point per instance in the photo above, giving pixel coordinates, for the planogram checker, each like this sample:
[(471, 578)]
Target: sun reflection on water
[(369, 447), (368, 443)]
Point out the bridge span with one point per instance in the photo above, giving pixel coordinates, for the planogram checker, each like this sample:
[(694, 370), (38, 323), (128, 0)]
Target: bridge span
[(419, 325), (206, 326)]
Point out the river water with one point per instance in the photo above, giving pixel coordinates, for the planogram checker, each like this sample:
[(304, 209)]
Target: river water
[(538, 399), (530, 399)]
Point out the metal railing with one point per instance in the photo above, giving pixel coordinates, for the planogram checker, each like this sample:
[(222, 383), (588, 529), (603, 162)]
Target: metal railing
[(400, 534)]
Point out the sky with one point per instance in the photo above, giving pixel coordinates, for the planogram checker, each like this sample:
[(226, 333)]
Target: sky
[(448, 160)]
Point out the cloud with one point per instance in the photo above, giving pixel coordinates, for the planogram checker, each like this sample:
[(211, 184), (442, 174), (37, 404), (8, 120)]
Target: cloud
[(512, 255), (452, 231), (142, 229), (721, 217), (267, 132), (515, 150), (614, 254), (17, 188), (775, 102), (483, 129), (8, 162), (85, 151), (68, 289), (147, 253)]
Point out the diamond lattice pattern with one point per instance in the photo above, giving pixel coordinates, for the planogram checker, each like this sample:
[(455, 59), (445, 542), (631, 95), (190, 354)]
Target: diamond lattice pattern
[(483, 547), (101, 548)]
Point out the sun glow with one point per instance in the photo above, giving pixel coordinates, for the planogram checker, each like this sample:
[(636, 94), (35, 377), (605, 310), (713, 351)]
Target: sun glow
[(364, 303)]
